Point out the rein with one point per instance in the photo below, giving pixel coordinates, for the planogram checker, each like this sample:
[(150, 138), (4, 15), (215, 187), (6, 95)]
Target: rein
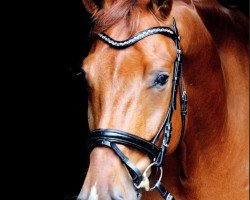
[(110, 137)]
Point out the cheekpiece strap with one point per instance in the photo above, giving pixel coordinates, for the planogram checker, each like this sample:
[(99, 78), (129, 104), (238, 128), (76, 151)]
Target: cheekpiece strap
[(164, 193)]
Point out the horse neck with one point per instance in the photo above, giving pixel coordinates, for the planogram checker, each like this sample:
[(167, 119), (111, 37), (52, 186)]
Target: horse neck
[(216, 79), (231, 38)]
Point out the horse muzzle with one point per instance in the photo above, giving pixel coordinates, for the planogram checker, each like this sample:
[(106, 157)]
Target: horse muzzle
[(107, 178)]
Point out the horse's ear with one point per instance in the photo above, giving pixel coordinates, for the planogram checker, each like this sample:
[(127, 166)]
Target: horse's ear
[(161, 7), (92, 6)]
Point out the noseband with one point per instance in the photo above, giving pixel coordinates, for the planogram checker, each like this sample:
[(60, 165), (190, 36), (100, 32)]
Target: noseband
[(110, 138)]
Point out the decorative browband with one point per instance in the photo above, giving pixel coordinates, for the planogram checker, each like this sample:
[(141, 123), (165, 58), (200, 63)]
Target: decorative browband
[(130, 41)]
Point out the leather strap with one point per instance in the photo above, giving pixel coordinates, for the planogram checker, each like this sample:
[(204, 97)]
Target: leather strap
[(133, 170), (120, 137), (164, 193), (139, 36)]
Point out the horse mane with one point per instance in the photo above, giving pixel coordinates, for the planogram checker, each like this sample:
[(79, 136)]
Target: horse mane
[(113, 13), (110, 15), (241, 5), (220, 19)]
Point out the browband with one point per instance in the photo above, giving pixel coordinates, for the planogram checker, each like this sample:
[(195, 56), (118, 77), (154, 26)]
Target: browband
[(126, 43)]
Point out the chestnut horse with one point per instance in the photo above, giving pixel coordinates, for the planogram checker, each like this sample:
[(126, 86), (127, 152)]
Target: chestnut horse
[(131, 90)]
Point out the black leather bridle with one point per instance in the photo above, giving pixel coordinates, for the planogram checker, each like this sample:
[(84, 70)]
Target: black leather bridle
[(110, 138)]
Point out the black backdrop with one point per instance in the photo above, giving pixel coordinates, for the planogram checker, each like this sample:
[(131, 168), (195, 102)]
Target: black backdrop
[(49, 156), (71, 99)]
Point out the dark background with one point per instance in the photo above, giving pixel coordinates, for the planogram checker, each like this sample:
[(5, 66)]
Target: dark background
[(48, 101), (45, 102), (67, 99), (73, 125)]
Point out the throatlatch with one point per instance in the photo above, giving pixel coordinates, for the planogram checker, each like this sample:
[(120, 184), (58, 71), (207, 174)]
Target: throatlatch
[(110, 137)]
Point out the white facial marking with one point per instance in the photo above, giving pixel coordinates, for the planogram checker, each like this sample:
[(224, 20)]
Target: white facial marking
[(93, 194)]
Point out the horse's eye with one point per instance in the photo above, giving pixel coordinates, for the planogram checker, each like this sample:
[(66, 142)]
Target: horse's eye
[(161, 79)]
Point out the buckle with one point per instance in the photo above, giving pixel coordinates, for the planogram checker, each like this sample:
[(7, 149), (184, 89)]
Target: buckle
[(145, 183), (184, 103)]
